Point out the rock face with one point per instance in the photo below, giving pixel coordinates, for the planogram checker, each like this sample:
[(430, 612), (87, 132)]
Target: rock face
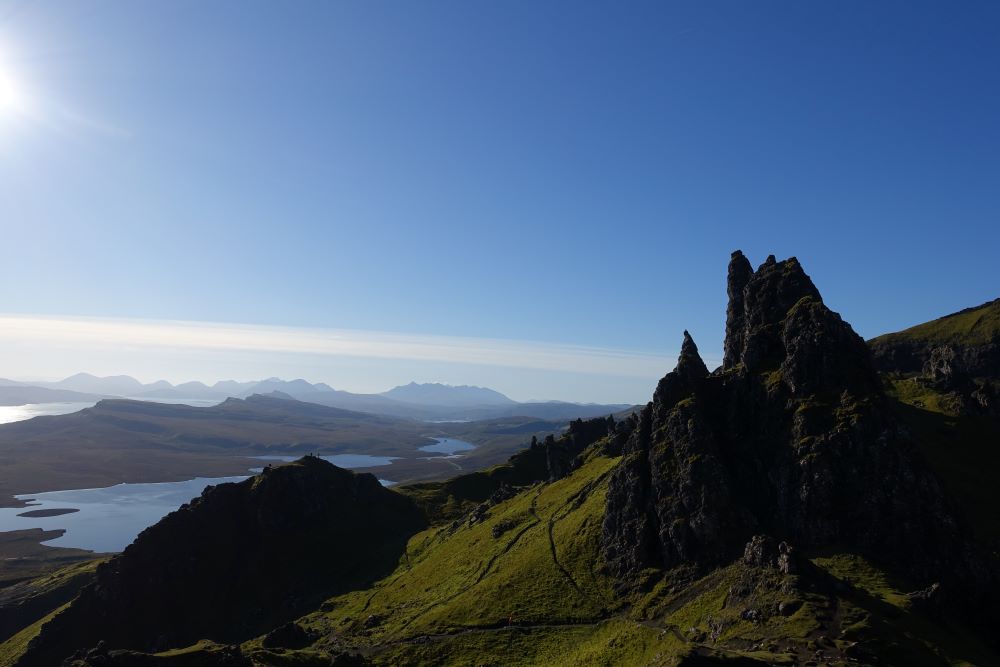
[(957, 356), (740, 273), (238, 561), (944, 372), (791, 439), (561, 455), (763, 551), (969, 338)]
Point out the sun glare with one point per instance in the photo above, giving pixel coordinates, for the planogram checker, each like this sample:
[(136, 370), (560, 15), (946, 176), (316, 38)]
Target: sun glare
[(12, 98)]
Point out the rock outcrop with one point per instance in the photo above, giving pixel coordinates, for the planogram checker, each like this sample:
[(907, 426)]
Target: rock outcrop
[(791, 438), (969, 338), (944, 372), (238, 561), (764, 551), (561, 456)]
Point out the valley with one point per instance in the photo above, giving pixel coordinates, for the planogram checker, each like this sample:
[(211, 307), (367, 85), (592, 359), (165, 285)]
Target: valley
[(795, 506), (122, 465), (130, 441)]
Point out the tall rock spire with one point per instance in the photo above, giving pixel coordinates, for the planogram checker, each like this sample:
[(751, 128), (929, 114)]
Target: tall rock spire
[(681, 381), (740, 273), (689, 363)]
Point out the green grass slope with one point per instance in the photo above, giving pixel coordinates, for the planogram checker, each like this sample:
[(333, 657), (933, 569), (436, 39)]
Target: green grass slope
[(526, 586), (26, 602), (530, 561), (972, 326)]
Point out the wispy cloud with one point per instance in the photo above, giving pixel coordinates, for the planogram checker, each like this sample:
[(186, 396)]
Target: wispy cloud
[(110, 333)]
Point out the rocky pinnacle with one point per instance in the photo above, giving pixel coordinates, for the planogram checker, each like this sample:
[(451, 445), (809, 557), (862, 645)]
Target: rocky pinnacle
[(795, 440), (740, 273)]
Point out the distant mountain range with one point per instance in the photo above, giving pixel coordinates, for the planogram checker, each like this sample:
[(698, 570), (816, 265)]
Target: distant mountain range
[(22, 394), (431, 401), (443, 394)]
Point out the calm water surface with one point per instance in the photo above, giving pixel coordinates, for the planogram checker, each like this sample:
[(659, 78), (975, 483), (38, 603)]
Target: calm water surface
[(448, 446), (108, 519), (16, 413)]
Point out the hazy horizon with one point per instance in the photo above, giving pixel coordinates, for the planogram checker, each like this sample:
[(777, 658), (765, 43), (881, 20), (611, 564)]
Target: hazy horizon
[(28, 380), (356, 361), (535, 198)]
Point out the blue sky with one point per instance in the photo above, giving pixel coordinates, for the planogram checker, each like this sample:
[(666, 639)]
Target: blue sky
[(571, 174)]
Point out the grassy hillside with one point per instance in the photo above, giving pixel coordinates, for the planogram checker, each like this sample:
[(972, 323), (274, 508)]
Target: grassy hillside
[(24, 603), (972, 326), (526, 573), (525, 586)]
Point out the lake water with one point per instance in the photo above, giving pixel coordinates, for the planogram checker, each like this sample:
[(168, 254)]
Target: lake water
[(448, 446), (16, 413), (108, 519)]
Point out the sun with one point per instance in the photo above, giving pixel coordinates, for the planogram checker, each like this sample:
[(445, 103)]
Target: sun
[(12, 98)]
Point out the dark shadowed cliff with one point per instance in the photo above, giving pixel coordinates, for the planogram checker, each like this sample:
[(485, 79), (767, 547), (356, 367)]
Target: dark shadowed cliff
[(792, 438), (238, 561)]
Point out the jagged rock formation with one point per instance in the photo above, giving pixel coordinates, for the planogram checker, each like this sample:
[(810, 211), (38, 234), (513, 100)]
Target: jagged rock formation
[(943, 371), (791, 438), (561, 456), (763, 551), (740, 273), (238, 561)]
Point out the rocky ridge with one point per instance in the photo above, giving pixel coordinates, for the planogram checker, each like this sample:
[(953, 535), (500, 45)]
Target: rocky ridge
[(239, 560)]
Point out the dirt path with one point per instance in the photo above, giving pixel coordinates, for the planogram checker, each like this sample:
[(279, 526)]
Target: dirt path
[(489, 565), (573, 503)]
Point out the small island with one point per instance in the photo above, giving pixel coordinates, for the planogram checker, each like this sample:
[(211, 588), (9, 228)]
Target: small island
[(34, 514)]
